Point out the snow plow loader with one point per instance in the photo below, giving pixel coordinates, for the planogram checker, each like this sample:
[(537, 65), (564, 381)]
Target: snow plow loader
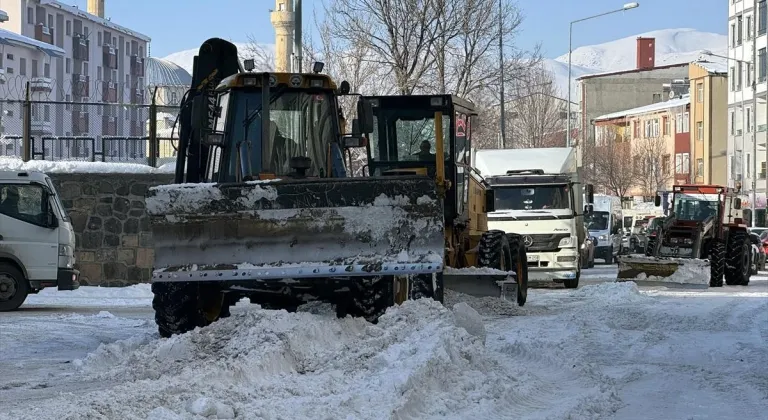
[(702, 241), (431, 136), (262, 205)]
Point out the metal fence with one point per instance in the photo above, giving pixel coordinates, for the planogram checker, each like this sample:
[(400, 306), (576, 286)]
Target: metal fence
[(88, 131)]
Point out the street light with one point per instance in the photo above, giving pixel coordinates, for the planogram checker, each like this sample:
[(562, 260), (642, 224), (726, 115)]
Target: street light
[(754, 128), (627, 6)]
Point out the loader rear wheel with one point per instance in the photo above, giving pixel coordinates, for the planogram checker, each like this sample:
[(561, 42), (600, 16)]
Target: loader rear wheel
[(428, 286), (369, 298), (738, 256), (716, 263), (180, 307), (519, 263)]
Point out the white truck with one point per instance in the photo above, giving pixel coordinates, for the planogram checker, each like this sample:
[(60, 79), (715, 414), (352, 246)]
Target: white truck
[(37, 242), (538, 195), (605, 223)]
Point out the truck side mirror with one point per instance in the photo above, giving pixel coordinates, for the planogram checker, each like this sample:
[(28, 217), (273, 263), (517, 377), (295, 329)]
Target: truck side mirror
[(657, 200), (589, 192), (50, 219), (490, 201), (737, 203), (588, 209), (365, 116)]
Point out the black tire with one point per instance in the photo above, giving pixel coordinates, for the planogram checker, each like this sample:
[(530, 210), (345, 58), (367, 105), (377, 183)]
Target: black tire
[(716, 263), (738, 267), (14, 287), (494, 250), (369, 298), (649, 247), (428, 286), (591, 263), (519, 263), (609, 256), (177, 307)]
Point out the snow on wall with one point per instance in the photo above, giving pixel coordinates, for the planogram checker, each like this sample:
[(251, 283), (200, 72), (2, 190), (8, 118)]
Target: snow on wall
[(16, 164)]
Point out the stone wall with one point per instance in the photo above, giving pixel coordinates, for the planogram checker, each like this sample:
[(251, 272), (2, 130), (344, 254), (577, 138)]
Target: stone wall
[(114, 243)]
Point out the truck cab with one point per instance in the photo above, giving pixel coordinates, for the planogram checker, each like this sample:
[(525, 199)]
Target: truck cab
[(605, 223), (37, 242)]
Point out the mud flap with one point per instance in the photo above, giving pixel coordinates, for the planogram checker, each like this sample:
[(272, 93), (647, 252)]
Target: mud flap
[(292, 228), (662, 271)]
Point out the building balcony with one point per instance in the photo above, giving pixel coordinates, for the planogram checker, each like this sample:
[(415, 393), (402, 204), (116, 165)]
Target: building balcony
[(137, 96), (41, 84), (80, 47), (80, 123), (137, 66), (109, 57), (41, 128), (108, 91), (81, 85), (44, 33), (108, 125)]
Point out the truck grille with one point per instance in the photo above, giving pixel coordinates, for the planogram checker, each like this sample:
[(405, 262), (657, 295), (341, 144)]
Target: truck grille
[(545, 242)]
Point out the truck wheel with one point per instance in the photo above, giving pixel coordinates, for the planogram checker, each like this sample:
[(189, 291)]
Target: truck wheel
[(177, 308), (519, 263), (428, 286), (738, 256), (649, 247), (716, 263), (14, 288), (369, 298)]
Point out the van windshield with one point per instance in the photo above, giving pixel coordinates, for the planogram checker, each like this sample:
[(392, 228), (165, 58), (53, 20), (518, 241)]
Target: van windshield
[(597, 220)]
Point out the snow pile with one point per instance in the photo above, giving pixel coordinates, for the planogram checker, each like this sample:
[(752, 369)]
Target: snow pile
[(419, 361), (486, 306), (16, 164), (611, 293), (85, 296)]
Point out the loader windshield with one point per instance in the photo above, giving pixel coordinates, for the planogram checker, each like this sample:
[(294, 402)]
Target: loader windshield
[(302, 123), (533, 197), (695, 207), (405, 135)]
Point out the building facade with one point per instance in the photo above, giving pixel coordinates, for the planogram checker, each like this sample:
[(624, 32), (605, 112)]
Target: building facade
[(102, 63), (708, 114)]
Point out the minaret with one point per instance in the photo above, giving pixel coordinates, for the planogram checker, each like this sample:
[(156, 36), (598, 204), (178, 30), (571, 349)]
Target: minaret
[(283, 21)]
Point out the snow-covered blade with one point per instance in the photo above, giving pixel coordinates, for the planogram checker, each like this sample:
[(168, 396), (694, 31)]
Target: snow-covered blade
[(664, 271), (296, 229)]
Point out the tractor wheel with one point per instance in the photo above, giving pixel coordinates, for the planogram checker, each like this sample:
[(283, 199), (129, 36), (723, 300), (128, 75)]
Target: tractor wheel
[(738, 256), (519, 264), (649, 247), (716, 263), (369, 298), (428, 286), (179, 308)]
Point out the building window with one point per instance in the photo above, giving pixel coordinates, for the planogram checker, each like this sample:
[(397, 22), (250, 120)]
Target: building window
[(30, 16), (679, 123), (699, 167), (47, 69), (666, 125), (655, 128), (68, 98), (637, 129), (749, 120), (686, 118), (9, 56), (68, 65), (69, 28), (733, 35), (762, 170), (682, 163), (733, 122), (733, 79), (749, 73), (50, 21), (749, 27), (739, 30), (740, 70), (34, 68), (700, 130), (98, 38), (23, 67), (665, 164), (656, 97), (700, 92), (761, 17), (761, 65)]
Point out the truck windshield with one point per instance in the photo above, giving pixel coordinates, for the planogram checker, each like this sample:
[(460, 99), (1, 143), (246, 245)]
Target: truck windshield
[(695, 206), (302, 123), (551, 197), (597, 220)]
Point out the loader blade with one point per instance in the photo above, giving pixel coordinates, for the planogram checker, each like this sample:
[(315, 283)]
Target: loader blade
[(664, 271), (296, 229), (481, 282)]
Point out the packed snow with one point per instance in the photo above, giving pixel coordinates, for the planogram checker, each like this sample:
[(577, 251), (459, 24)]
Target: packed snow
[(690, 272), (606, 350), (47, 166)]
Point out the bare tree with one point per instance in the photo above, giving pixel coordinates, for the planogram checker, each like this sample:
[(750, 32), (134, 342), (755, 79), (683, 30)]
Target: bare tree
[(536, 115), (615, 170), (652, 164)]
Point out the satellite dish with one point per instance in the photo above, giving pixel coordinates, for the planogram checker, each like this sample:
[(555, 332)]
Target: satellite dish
[(671, 94)]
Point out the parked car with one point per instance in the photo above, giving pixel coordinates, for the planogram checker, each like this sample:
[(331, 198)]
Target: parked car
[(758, 253), (588, 251)]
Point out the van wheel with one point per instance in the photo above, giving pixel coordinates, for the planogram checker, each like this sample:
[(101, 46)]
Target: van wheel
[(14, 288)]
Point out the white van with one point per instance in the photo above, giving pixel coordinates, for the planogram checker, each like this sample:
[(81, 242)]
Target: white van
[(37, 242)]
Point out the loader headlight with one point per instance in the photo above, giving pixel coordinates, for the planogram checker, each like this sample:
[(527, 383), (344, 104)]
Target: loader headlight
[(567, 242)]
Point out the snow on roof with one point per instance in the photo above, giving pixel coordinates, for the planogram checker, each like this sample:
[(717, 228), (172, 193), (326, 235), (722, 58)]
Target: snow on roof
[(659, 106), (101, 21), (713, 66), (635, 70), (12, 38), (552, 160)]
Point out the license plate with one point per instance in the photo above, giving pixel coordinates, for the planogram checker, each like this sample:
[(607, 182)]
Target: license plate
[(533, 258)]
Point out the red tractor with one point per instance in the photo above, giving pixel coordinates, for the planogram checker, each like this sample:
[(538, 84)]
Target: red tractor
[(705, 223)]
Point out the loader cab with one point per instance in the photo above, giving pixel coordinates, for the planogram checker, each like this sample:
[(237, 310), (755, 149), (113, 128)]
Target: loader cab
[(405, 135), (274, 125)]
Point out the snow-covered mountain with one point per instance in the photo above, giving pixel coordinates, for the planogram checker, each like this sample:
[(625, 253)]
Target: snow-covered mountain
[(672, 46), (185, 58)]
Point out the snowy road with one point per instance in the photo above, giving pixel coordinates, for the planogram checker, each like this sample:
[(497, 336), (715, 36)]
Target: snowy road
[(605, 350)]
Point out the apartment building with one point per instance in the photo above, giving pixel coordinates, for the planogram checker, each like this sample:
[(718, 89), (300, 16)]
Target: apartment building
[(747, 27), (652, 132), (708, 113), (102, 63)]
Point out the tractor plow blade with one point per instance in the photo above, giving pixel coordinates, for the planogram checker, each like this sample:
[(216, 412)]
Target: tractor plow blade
[(481, 282), (664, 271), (282, 229)]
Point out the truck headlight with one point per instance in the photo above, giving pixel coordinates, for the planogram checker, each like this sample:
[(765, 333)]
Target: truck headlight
[(66, 250), (603, 237), (567, 241)]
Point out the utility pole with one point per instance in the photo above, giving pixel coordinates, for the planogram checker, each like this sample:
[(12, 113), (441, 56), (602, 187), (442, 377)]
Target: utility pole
[(753, 123), (298, 45), (501, 77)]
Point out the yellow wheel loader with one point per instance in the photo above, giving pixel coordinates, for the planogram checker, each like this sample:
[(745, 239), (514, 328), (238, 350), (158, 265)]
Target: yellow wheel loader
[(702, 241), (432, 136), (263, 206)]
